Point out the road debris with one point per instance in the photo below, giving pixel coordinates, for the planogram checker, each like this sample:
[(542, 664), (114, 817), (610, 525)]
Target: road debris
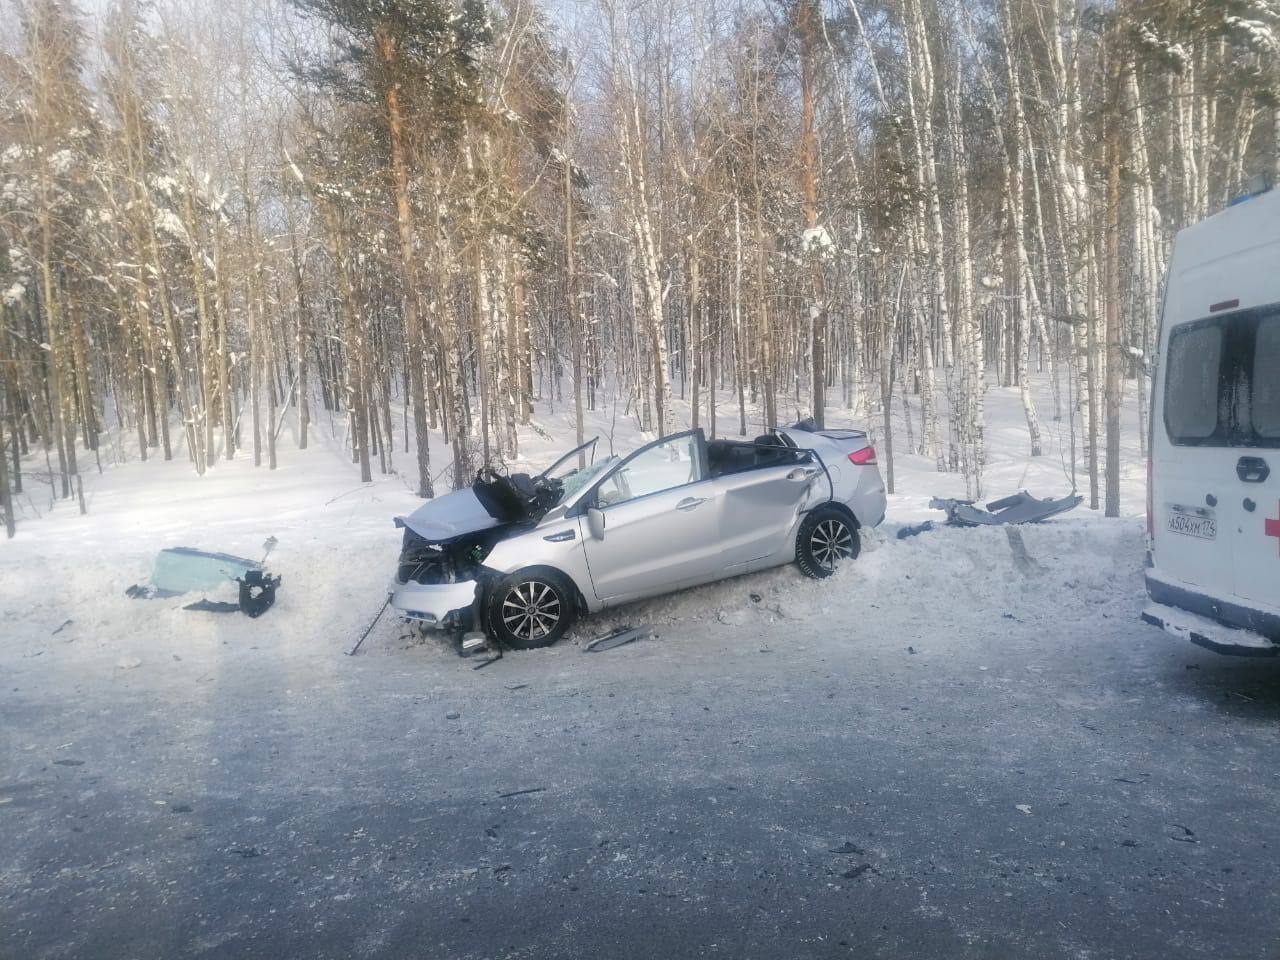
[(848, 847), (1022, 507), (622, 635), (181, 570), (369, 629), (521, 793)]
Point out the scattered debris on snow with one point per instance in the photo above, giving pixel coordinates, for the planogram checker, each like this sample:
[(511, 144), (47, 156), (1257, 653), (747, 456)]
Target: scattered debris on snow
[(619, 637), (1022, 507)]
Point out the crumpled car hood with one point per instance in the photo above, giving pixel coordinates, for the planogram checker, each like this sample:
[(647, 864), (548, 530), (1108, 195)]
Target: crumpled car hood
[(453, 515)]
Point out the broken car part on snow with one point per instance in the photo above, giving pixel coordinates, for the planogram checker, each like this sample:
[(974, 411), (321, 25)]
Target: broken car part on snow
[(1020, 508), (182, 570), (620, 637)]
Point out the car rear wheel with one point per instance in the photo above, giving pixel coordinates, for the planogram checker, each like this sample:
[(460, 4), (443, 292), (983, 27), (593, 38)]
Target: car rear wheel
[(529, 609), (826, 538)]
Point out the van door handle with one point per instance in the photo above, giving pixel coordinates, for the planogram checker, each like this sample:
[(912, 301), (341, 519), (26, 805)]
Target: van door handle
[(690, 503), (1253, 470)]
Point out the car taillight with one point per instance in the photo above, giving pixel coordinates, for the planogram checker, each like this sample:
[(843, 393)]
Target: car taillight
[(865, 457)]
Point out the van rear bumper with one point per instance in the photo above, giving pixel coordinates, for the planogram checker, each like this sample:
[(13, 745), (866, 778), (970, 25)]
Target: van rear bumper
[(1220, 611), (1207, 633)]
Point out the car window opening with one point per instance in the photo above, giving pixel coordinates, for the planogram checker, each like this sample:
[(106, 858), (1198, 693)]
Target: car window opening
[(1222, 388)]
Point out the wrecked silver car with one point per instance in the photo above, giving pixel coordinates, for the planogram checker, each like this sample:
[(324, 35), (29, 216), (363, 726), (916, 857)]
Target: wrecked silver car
[(521, 556)]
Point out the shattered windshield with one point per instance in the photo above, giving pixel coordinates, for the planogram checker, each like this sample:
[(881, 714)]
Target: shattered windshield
[(578, 479)]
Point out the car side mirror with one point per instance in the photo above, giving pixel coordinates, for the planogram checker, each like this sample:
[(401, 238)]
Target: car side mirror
[(595, 523)]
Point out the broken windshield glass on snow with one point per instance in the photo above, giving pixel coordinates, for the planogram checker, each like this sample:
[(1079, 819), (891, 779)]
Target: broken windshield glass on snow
[(179, 570)]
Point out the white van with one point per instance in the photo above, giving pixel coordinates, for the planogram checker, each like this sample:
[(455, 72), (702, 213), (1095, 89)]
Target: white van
[(1213, 491)]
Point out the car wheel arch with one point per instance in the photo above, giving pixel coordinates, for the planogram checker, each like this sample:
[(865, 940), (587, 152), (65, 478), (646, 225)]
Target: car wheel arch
[(842, 507), (534, 569), (810, 564)]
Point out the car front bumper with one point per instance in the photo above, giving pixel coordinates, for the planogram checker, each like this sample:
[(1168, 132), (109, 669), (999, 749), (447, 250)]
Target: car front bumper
[(439, 605)]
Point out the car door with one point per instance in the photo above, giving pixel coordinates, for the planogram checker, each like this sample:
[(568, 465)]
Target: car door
[(759, 507), (1193, 472), (1256, 471), (660, 525)]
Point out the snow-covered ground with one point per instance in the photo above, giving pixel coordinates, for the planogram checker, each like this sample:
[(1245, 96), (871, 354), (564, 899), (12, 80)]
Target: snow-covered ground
[(338, 546)]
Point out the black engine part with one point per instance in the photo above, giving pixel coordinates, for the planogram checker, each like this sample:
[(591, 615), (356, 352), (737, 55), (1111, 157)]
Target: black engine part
[(257, 592), (516, 497)]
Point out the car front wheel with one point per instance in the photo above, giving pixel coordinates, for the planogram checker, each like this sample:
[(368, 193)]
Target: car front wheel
[(529, 609), (825, 538)]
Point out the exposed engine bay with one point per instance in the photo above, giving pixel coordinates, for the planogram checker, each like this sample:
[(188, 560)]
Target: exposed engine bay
[(517, 497), (516, 502)]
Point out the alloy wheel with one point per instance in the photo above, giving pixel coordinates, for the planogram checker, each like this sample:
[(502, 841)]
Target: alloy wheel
[(531, 610), (831, 542)]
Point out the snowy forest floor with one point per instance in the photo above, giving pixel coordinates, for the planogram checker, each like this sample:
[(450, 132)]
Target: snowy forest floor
[(940, 752)]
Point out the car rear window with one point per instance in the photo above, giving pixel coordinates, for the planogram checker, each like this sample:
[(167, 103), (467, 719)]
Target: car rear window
[(1266, 379), (1191, 395), (1221, 384)]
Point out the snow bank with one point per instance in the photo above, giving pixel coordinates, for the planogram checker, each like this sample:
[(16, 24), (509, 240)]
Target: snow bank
[(966, 582)]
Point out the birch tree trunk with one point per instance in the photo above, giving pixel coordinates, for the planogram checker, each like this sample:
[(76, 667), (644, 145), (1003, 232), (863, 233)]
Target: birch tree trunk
[(650, 271), (1114, 349), (808, 17), (919, 92)]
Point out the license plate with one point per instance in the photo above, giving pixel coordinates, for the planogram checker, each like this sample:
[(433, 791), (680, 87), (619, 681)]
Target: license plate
[(1193, 523)]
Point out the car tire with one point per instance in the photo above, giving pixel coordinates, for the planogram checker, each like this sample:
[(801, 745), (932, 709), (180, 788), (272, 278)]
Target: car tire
[(826, 537), (529, 609)]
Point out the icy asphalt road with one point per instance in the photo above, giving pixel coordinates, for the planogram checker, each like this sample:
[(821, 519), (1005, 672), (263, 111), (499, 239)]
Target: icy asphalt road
[(1042, 777)]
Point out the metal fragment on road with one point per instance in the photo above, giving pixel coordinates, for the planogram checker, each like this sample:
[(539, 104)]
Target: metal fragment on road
[(620, 637)]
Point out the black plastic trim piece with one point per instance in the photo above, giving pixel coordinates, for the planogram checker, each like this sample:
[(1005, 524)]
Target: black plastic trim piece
[(1252, 470)]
